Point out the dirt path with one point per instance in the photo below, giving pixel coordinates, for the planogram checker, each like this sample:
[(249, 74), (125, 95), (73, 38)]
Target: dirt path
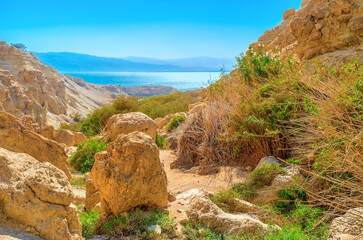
[(180, 181)]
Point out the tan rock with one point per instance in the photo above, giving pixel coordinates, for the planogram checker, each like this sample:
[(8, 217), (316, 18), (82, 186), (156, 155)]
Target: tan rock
[(47, 132), (29, 123), (37, 195), (202, 210), (69, 138), (130, 174), (14, 137), (127, 123), (347, 227), (318, 28), (197, 108), (92, 195), (288, 13), (79, 138)]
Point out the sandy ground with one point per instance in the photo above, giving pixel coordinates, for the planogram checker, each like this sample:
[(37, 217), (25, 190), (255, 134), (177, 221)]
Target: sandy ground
[(182, 180)]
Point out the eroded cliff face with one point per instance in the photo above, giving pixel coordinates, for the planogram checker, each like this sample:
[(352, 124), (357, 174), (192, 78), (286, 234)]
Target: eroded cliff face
[(332, 27), (28, 87)]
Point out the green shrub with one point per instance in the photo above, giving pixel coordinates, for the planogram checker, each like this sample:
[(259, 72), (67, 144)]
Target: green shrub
[(83, 159), (160, 141), (136, 224), (175, 122), (89, 222), (125, 104), (160, 106), (257, 179)]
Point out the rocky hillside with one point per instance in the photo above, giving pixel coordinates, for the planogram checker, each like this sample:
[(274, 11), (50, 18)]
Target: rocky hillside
[(331, 27), (27, 86)]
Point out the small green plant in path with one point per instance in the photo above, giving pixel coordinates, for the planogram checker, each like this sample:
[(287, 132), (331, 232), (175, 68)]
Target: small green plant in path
[(84, 157), (136, 224), (175, 122), (160, 141), (89, 221)]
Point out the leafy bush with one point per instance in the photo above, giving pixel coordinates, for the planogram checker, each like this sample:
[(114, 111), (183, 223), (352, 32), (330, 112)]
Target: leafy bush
[(83, 159), (175, 122), (136, 224), (160, 141), (89, 222)]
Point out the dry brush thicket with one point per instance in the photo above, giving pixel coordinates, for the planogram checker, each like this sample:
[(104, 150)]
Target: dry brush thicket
[(311, 112)]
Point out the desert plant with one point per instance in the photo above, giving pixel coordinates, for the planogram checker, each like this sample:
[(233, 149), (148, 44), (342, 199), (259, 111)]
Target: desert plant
[(89, 222), (160, 141), (83, 159), (136, 224), (175, 122)]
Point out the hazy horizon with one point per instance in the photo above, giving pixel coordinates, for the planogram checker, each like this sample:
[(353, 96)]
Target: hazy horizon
[(150, 29)]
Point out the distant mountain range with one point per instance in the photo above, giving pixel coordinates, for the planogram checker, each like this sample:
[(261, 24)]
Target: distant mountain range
[(75, 62)]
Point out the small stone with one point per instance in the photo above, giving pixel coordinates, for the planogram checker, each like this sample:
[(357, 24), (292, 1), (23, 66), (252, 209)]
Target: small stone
[(154, 230), (180, 210)]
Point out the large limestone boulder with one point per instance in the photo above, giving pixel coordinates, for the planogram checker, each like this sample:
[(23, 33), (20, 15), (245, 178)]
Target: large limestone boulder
[(129, 174), (15, 137), (202, 210), (319, 27), (127, 123), (347, 227), (69, 138), (37, 195)]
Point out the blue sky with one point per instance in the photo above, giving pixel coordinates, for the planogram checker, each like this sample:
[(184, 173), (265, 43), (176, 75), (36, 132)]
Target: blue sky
[(145, 28)]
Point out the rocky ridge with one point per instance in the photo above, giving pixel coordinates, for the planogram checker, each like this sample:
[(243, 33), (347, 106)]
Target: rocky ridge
[(333, 28), (28, 87)]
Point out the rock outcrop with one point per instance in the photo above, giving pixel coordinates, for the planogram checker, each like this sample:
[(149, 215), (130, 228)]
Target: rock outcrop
[(37, 195), (127, 123), (347, 227), (69, 138), (319, 27), (129, 174), (202, 210), (15, 137)]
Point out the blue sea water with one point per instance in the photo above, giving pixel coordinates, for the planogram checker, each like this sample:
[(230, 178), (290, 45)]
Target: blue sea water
[(180, 80)]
